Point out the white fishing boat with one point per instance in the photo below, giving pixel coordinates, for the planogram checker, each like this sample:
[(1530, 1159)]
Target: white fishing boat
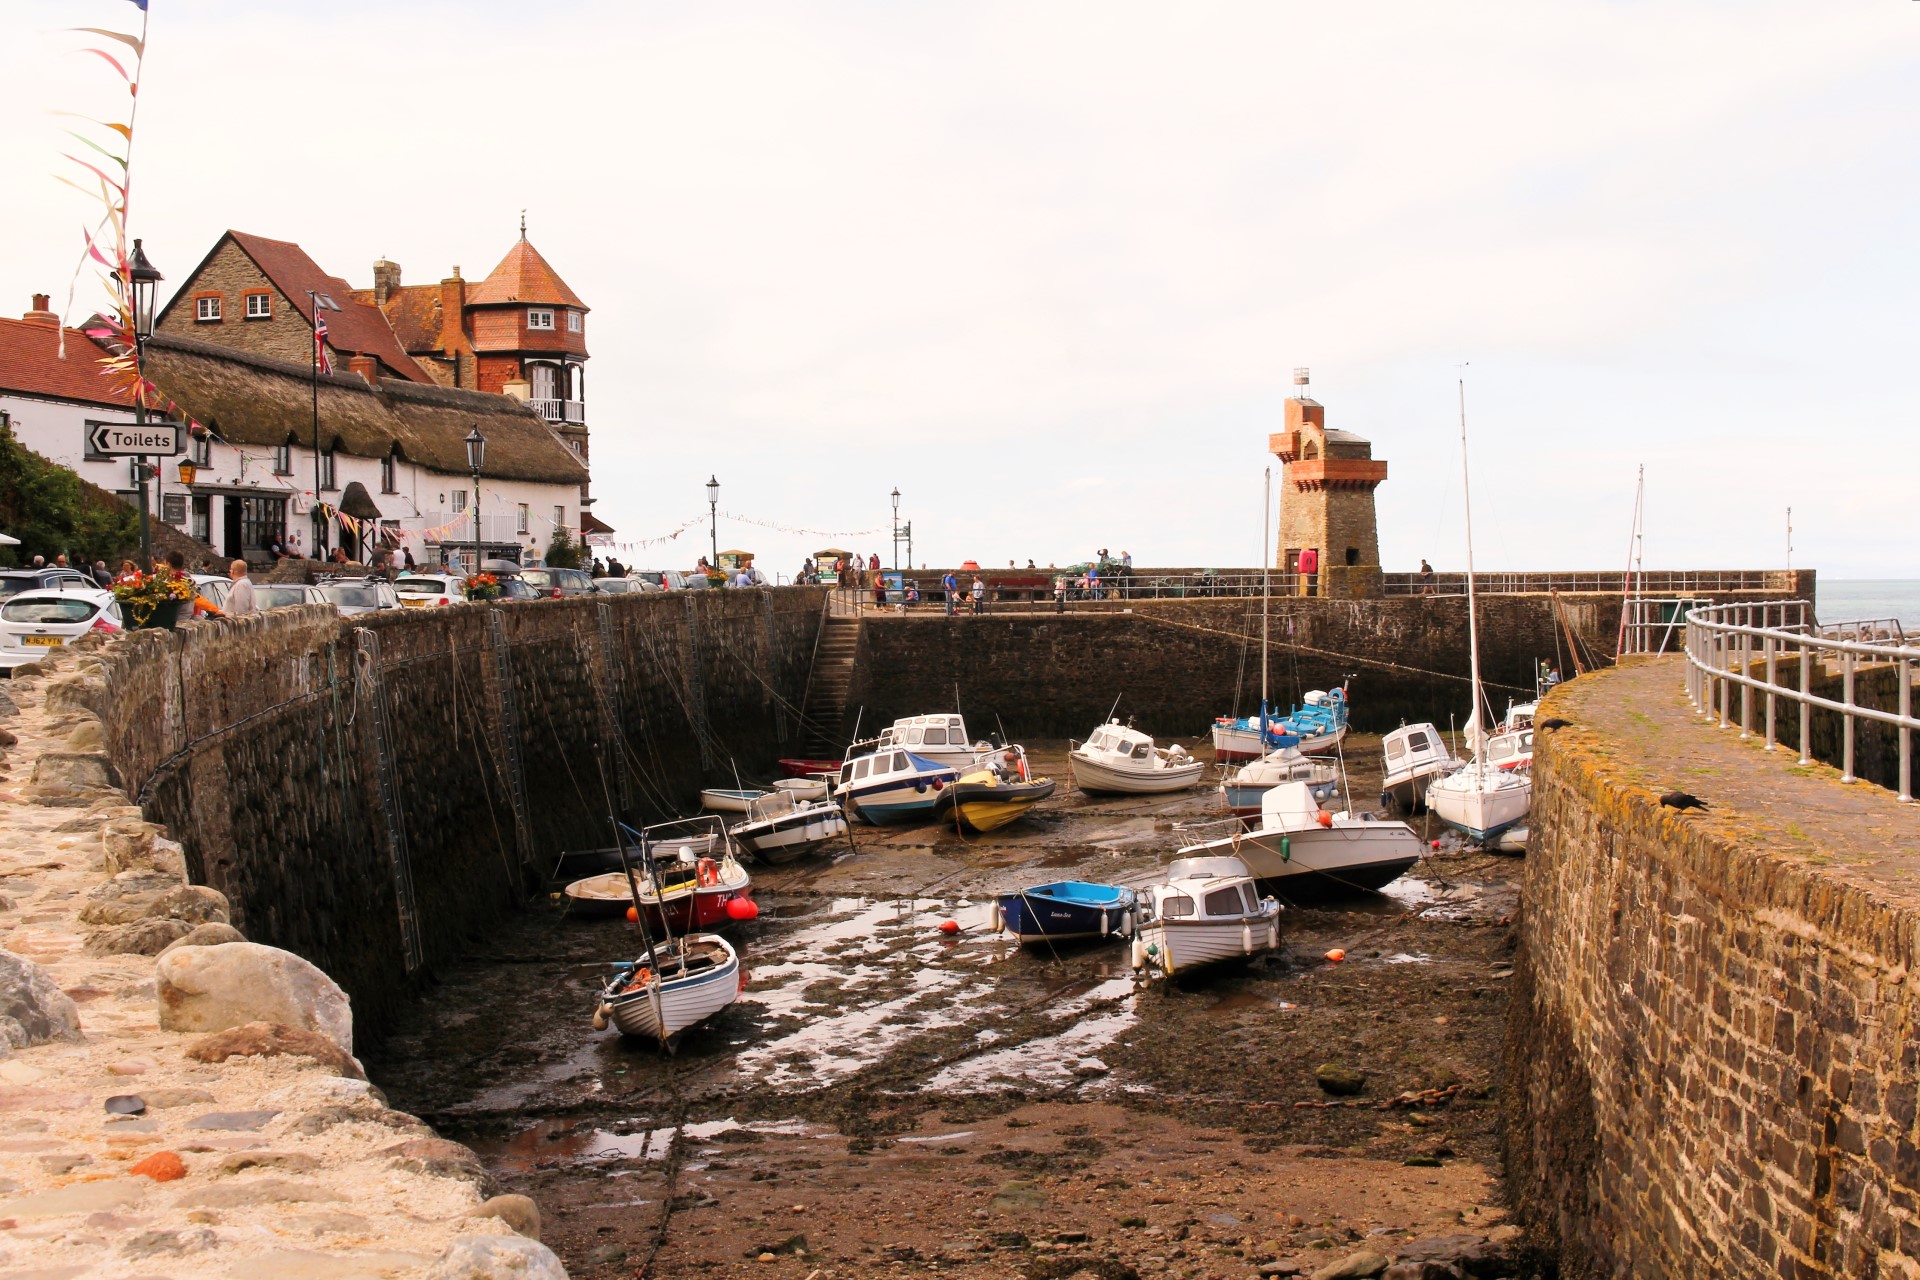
[(1519, 716), (1119, 759), (1205, 912), (894, 786), (1302, 846), (730, 799), (780, 829), (941, 738), (1480, 798), (1248, 785), (671, 988), (803, 788), (1415, 755), (1511, 750)]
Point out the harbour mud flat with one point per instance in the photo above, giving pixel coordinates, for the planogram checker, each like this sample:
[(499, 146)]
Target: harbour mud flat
[(886, 1098)]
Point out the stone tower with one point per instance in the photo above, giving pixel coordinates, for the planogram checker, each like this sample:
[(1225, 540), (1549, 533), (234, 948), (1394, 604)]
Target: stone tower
[(1327, 480)]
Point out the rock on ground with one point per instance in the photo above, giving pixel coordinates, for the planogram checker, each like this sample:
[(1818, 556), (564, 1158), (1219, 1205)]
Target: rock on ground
[(496, 1258), (210, 934), (1355, 1266), (270, 1039), (1340, 1081), (213, 988), (33, 1010), (518, 1212)]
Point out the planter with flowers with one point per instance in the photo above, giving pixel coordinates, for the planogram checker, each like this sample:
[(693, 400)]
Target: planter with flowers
[(152, 599), (481, 586)]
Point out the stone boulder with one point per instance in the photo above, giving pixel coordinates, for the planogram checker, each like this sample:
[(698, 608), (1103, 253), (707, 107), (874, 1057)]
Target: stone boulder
[(1355, 1266), (496, 1258), (518, 1212), (212, 988), (8, 707), (438, 1158), (72, 776), (211, 934), (1465, 1253), (140, 938), (272, 1039), (33, 1008), (133, 842), (127, 897), (1342, 1082)]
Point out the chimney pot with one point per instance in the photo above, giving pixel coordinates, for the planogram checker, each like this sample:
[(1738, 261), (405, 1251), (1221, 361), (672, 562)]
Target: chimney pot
[(42, 313), (367, 367)]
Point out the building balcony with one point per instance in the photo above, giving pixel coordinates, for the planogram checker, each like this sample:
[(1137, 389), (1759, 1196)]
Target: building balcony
[(561, 410)]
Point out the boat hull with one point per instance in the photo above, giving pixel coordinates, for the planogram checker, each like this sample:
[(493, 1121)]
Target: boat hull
[(803, 789), (727, 800), (1330, 859), (990, 806), (792, 835), (1177, 946), (1482, 809), (679, 1002), (1036, 915), (1092, 775), (1409, 791), (799, 768)]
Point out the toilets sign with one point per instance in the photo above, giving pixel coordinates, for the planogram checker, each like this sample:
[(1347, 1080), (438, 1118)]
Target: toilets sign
[(133, 440)]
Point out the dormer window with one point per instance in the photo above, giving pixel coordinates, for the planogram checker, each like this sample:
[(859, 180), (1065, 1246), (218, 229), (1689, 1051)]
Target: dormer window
[(538, 319), (206, 309), (388, 475), (573, 322)]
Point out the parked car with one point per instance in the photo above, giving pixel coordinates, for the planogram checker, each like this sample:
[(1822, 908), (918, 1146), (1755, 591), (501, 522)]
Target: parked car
[(14, 581), (422, 590), (285, 595), (555, 583), (359, 595), (213, 587), (624, 586), (34, 623), (669, 580), (514, 587)]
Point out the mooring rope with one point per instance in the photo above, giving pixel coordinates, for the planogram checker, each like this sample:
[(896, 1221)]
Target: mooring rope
[(1334, 653)]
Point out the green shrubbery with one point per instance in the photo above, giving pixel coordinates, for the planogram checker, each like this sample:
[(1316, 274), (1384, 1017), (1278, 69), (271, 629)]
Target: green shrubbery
[(563, 552), (52, 510)]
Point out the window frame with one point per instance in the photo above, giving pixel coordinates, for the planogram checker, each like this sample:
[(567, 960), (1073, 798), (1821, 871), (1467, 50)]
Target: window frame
[(283, 459), (1229, 894), (206, 308), (390, 473), (523, 517), (560, 517), (457, 502), (329, 475), (262, 296), (540, 318), (573, 322)]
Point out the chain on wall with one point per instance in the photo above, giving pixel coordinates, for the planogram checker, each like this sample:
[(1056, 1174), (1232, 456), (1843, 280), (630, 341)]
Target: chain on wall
[(608, 685), (510, 739), (372, 700)]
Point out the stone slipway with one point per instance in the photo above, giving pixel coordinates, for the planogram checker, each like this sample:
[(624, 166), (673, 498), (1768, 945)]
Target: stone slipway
[(258, 1166)]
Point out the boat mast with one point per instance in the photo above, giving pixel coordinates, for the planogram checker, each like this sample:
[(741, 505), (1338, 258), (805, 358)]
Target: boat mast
[(1266, 596), (1473, 625), (1628, 613)]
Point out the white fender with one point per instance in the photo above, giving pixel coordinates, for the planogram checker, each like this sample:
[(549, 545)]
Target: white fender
[(998, 920), (1139, 956)]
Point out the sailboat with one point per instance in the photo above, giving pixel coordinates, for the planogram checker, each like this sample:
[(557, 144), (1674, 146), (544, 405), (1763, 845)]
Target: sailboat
[(1314, 727), (1480, 799)]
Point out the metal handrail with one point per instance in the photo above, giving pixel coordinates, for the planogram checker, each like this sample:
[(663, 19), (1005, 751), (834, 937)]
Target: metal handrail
[(1724, 641)]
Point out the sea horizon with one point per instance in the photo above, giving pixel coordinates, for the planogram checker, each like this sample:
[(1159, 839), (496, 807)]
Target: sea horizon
[(1866, 599)]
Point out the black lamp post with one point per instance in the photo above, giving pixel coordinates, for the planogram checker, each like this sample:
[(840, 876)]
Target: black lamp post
[(476, 458), (896, 530), (316, 303), (713, 520), (142, 284)]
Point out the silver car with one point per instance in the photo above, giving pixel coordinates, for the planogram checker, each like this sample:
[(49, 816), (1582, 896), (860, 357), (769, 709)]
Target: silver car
[(353, 596), (285, 595)]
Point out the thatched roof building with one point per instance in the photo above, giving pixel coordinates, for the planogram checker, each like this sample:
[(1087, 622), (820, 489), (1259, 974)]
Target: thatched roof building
[(249, 399)]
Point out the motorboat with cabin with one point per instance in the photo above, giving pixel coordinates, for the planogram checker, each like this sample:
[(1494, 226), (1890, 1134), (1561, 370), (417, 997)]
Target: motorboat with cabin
[(1119, 759), (1248, 785), (941, 738), (1315, 727), (1415, 755), (894, 786), (781, 828), (1303, 847), (1205, 912), (1065, 911)]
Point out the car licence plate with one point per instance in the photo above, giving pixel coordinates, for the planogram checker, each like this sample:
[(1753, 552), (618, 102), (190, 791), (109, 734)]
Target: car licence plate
[(47, 641), (413, 602)]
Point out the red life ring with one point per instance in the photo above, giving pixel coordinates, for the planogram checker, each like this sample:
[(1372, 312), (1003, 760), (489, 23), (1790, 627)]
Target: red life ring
[(708, 872)]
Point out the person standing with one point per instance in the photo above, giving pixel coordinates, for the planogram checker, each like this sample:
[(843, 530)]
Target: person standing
[(979, 595), (1060, 593), (406, 559), (950, 587), (102, 575), (1426, 577), (240, 594)]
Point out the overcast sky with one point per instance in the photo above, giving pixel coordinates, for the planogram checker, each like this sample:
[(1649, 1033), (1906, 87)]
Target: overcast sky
[(1048, 267)]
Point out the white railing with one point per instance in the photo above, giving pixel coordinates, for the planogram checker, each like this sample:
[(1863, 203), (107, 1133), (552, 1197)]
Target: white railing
[(1725, 642), (560, 410), (1666, 582)]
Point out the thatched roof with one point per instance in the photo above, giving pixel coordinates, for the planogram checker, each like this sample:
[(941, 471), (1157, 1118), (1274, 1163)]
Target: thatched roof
[(358, 503), (250, 399)]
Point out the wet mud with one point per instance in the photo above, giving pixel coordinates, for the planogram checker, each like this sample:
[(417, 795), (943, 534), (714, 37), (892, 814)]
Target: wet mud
[(886, 1097)]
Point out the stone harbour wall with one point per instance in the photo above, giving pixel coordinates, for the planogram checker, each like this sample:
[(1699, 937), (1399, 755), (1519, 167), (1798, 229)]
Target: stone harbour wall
[(1712, 1055), (372, 794), (1176, 664)]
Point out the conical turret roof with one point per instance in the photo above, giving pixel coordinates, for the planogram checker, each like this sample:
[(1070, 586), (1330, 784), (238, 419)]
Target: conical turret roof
[(524, 277)]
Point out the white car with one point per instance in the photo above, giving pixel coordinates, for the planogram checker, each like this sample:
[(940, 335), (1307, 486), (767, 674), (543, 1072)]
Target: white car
[(34, 623), (285, 595), (424, 590), (624, 586), (354, 596)]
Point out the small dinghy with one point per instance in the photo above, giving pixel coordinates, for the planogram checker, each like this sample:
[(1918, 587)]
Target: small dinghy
[(802, 788), (779, 830), (1065, 911), (1204, 913), (730, 799), (990, 798), (671, 988), (799, 768)]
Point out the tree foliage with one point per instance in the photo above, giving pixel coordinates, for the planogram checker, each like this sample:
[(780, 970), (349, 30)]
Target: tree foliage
[(52, 510), (563, 552)]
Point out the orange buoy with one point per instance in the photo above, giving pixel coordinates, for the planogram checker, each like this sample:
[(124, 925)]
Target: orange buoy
[(1324, 818), (1337, 955), (633, 915), (949, 926)]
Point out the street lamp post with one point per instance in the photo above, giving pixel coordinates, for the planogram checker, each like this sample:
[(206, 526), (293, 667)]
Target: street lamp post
[(316, 303), (896, 532), (713, 520), (476, 458), (142, 283)]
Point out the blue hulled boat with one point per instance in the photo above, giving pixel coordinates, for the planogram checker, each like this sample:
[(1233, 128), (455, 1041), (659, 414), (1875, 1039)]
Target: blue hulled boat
[(1313, 727), (892, 787), (1065, 911)]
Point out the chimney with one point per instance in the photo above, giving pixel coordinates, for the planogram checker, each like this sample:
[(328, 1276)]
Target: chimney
[(453, 316), (367, 367), (41, 313), (386, 279), (517, 387)]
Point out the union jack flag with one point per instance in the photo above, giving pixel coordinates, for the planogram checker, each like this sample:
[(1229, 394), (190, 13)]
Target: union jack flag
[(320, 356)]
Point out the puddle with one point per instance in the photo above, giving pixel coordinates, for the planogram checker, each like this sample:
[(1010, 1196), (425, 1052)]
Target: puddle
[(550, 1140), (1402, 957), (1058, 1060)]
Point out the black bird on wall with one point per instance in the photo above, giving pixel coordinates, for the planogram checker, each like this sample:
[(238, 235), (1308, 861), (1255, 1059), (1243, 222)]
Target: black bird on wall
[(1554, 722), (1681, 800)]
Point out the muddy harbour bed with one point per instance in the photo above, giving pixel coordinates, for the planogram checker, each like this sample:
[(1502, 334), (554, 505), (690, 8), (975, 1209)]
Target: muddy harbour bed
[(887, 1098)]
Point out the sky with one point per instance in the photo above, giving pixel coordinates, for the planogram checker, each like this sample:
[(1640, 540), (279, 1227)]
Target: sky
[(1047, 268)]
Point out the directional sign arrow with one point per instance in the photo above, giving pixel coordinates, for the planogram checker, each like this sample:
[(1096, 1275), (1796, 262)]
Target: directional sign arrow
[(133, 440)]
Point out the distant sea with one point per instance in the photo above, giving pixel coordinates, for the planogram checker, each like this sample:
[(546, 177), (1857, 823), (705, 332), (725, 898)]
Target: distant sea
[(1864, 599)]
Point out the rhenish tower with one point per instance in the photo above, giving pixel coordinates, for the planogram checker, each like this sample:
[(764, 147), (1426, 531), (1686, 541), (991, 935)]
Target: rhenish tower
[(1327, 480)]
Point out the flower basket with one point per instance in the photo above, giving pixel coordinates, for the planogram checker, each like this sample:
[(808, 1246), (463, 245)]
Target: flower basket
[(481, 586), (152, 599)]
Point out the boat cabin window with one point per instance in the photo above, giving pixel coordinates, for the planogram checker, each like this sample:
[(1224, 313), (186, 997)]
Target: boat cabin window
[(1140, 750), (862, 766), (1246, 896), (913, 737), (1176, 904), (1396, 748), (1224, 902), (900, 762), (1417, 742), (1098, 742), (936, 737), (846, 771), (954, 724)]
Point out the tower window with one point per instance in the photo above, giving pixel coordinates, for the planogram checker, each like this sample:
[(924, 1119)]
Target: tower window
[(537, 319), (573, 322)]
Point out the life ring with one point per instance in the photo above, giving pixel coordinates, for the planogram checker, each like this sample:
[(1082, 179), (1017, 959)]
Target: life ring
[(708, 872), (641, 978)]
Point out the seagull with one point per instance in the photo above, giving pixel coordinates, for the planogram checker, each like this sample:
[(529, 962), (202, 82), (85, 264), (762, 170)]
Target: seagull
[(1554, 722), (1681, 800)]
